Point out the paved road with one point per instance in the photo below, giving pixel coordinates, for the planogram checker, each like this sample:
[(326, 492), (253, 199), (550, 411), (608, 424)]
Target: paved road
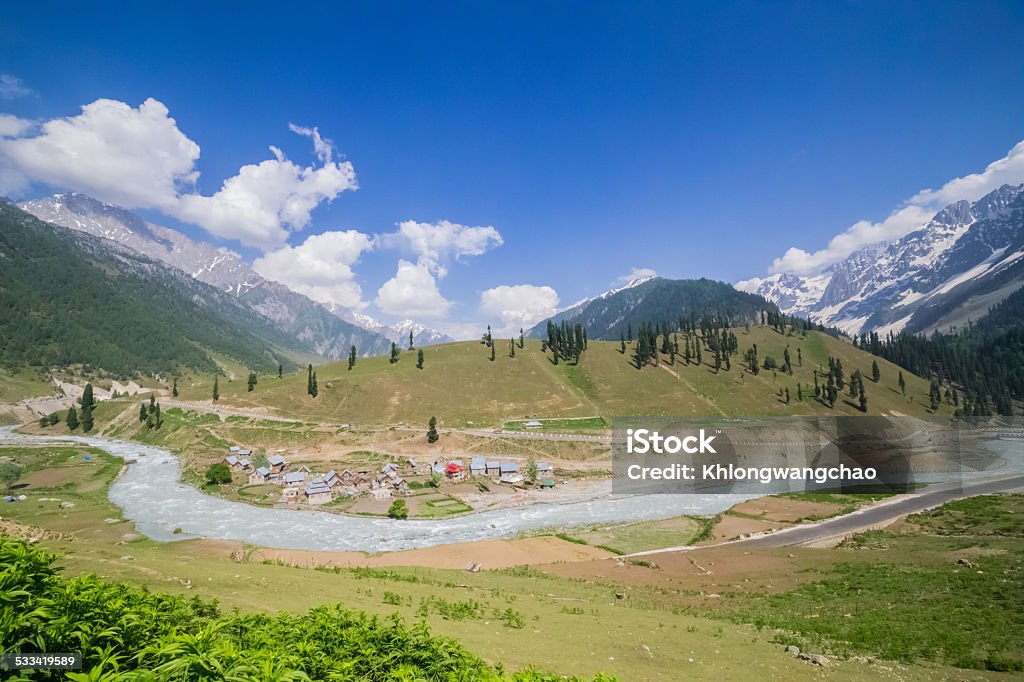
[(865, 518)]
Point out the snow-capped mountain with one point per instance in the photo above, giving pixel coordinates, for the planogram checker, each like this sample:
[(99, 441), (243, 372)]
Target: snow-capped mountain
[(795, 295), (328, 334), (968, 257), (422, 335)]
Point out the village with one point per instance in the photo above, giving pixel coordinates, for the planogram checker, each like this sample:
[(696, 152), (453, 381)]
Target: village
[(368, 490)]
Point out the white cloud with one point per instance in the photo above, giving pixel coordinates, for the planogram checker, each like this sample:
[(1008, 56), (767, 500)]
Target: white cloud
[(11, 87), (436, 243), (138, 158), (412, 292), (12, 126), (917, 211), (518, 306), (133, 157), (258, 205), (634, 274), (320, 267), (323, 147)]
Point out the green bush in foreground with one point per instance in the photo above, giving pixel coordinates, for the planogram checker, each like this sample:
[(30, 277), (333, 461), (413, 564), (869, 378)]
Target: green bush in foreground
[(127, 633)]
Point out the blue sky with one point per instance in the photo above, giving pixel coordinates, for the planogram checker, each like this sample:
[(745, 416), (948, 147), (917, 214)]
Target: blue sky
[(593, 137)]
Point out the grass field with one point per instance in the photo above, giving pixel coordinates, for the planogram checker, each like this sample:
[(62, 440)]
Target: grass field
[(462, 387), (946, 586), (662, 627), (626, 538)]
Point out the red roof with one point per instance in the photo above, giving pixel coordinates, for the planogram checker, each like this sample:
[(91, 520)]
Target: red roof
[(453, 468)]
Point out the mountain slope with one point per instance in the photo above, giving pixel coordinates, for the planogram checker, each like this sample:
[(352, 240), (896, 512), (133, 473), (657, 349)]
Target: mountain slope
[(70, 298), (659, 300), (463, 387), (968, 257), (325, 333)]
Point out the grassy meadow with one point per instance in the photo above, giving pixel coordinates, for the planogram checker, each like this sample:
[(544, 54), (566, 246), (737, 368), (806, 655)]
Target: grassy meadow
[(462, 387)]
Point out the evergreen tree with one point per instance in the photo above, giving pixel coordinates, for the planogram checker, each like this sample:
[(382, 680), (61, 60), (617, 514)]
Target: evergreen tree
[(54, 418), (432, 430), (87, 398), (309, 375), (787, 395), (280, 371), (622, 343), (394, 352), (142, 412), (863, 398), (799, 357), (174, 388), (799, 392), (410, 340), (87, 417), (351, 358), (492, 352), (252, 381), (903, 384), (216, 389), (522, 339), (157, 418), (787, 367), (316, 389), (72, 419), (876, 374), (419, 359), (511, 348)]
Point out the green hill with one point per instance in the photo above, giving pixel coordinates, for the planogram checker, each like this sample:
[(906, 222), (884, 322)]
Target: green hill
[(660, 300), (461, 385), (67, 298)]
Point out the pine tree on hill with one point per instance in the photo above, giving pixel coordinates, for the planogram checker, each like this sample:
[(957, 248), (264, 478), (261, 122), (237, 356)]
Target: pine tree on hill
[(216, 389), (174, 388), (87, 397), (394, 353), (876, 374), (251, 384), (316, 389), (351, 358), (492, 352), (280, 371), (410, 340), (432, 430), (87, 417), (72, 419), (903, 384), (419, 359), (142, 412)]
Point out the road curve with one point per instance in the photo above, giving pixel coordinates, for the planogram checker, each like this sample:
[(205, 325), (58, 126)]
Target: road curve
[(862, 519)]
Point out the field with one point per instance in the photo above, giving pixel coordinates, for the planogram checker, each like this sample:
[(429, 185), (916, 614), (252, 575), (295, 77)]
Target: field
[(712, 614), (462, 387)]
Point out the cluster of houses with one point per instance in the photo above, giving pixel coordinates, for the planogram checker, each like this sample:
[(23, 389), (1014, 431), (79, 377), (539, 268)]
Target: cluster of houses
[(502, 472), (300, 484)]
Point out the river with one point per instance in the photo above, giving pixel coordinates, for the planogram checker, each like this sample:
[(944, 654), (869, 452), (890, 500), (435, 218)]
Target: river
[(150, 493)]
